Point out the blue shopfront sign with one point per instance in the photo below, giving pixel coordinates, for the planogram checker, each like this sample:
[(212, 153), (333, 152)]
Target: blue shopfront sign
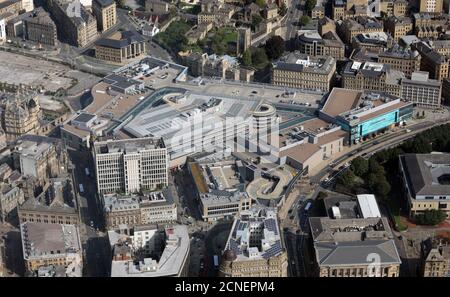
[(378, 123)]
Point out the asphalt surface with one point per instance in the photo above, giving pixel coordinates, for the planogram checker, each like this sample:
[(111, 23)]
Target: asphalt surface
[(95, 243)]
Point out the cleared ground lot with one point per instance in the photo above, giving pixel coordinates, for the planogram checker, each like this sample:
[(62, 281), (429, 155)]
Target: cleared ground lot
[(18, 69)]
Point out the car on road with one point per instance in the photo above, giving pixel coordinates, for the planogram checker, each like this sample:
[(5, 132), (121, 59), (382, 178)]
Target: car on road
[(375, 142), (91, 223)]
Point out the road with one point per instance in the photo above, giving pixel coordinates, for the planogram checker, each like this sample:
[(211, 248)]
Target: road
[(292, 19), (377, 144), (95, 243)]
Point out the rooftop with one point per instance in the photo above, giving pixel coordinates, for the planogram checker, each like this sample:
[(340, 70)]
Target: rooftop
[(170, 263), (120, 39), (255, 235), (49, 240), (427, 174), (127, 146), (303, 63)]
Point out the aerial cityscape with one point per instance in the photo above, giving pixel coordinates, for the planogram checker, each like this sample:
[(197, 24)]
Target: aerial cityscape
[(224, 138)]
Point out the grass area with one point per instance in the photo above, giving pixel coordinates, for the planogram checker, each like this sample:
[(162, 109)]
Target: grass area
[(230, 37), (394, 207)]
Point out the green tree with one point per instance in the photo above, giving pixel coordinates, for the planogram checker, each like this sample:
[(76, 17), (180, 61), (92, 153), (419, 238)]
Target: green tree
[(304, 20), (120, 3), (259, 58), (360, 166), (274, 47), (309, 5), (247, 58), (261, 3), (282, 10), (382, 188), (375, 167), (347, 179), (321, 195), (256, 20), (431, 217)]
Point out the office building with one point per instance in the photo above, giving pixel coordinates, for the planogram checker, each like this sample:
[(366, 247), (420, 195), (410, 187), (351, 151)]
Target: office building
[(105, 12), (39, 157), (52, 246), (372, 76), (425, 180), (301, 71), (430, 25), (421, 90), (254, 247), (404, 60), (77, 30), (348, 247), (432, 6), (150, 252), (329, 44), (120, 47), (130, 165), (40, 28), (374, 41), (432, 61), (362, 114), (398, 27), (219, 190), (11, 197), (350, 28), (147, 208)]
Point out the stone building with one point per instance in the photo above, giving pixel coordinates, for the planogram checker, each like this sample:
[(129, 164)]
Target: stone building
[(52, 246), (56, 205), (39, 27), (350, 28), (434, 259), (405, 60), (39, 157), (105, 12), (329, 44), (254, 247), (304, 72), (120, 47), (141, 209), (433, 6), (347, 247), (21, 115), (398, 27), (425, 182), (76, 30), (432, 61)]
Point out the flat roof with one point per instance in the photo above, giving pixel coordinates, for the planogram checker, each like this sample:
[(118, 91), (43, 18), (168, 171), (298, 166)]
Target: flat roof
[(341, 100), (384, 110), (84, 117), (368, 206), (301, 152)]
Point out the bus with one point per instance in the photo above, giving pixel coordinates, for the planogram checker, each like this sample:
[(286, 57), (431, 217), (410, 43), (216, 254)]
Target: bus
[(216, 261), (87, 171), (308, 206), (81, 188)]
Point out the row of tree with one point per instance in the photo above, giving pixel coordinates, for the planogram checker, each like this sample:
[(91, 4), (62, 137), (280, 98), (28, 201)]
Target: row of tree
[(379, 174), (259, 57)]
